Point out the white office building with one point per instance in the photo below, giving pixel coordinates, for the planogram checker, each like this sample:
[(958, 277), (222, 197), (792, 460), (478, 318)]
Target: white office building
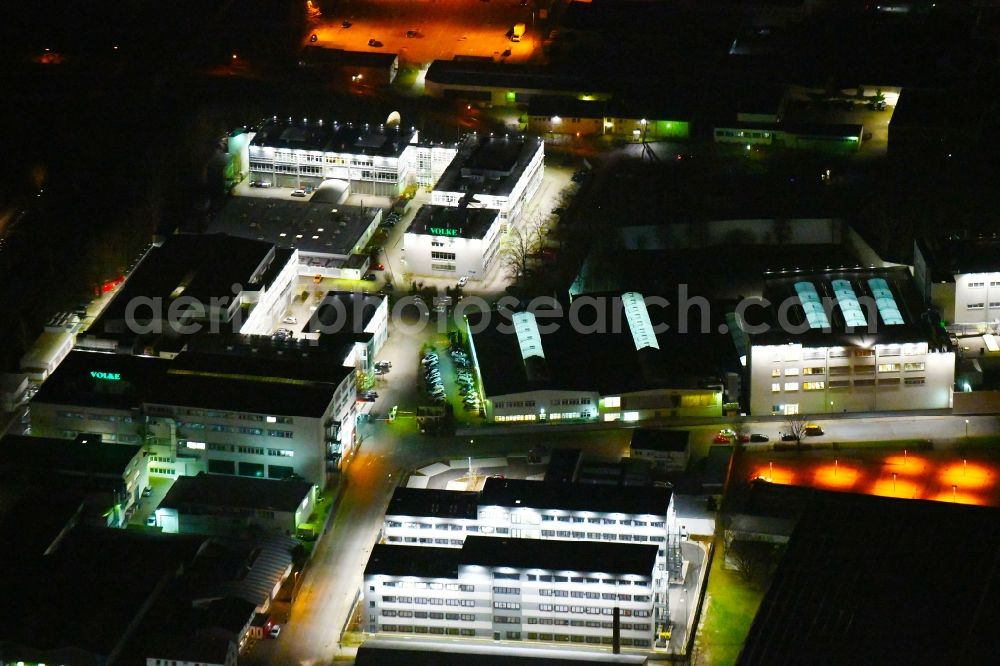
[(545, 511), (277, 416), (960, 278), (846, 341), (453, 242), (377, 159), (497, 173), (513, 589)]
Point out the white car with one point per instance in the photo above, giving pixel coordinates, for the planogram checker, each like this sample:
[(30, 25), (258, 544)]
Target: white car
[(462, 281), (275, 631), (290, 320)]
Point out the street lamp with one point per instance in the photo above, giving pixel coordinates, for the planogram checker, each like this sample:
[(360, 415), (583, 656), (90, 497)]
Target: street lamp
[(967, 428)]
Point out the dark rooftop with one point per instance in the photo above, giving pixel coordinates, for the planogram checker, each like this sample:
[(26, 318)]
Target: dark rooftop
[(311, 226), (504, 75), (832, 327), (947, 257), (216, 382), (590, 556), (654, 439), (426, 561), (575, 497), (564, 466), (318, 55), (565, 106), (489, 165), (333, 137), (457, 654), (346, 313), (872, 580), (84, 455), (189, 649), (235, 491), (433, 503), (463, 221), (605, 343), (201, 266)]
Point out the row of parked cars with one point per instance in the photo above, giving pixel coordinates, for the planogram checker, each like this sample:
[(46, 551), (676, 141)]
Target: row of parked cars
[(728, 435), (432, 376), (466, 380)]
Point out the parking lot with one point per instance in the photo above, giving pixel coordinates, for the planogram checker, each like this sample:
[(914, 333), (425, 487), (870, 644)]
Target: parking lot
[(440, 29)]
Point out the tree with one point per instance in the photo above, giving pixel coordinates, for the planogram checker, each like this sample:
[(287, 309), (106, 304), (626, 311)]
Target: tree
[(754, 560), (796, 427), (519, 245)]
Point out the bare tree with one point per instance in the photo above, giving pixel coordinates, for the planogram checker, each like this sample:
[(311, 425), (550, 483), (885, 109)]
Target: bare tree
[(520, 244), (796, 426), (754, 560)]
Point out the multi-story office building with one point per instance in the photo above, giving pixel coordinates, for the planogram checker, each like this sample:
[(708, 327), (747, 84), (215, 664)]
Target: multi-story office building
[(381, 160), (612, 359), (280, 415), (498, 173), (453, 241), (545, 511), (846, 341), (513, 589), (961, 279), (355, 321)]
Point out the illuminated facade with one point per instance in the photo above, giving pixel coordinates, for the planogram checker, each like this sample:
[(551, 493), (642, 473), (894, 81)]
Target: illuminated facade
[(453, 242), (961, 279), (372, 159), (512, 589), (851, 341)]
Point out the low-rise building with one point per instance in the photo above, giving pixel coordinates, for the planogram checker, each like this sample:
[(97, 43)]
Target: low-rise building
[(85, 464), (960, 278), (358, 67), (191, 651), (504, 84), (668, 450), (357, 321), (846, 341), (446, 241), (220, 505), (513, 589), (604, 361)]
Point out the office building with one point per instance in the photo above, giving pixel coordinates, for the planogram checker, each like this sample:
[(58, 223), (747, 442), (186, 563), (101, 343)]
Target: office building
[(453, 241), (846, 341), (960, 278), (271, 413), (513, 589), (377, 159)]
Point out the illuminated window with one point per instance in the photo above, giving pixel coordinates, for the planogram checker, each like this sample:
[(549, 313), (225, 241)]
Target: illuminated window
[(630, 416), (888, 367), (791, 386), (612, 403), (975, 306), (776, 372), (813, 371), (813, 386), (910, 367), (791, 372), (775, 387)]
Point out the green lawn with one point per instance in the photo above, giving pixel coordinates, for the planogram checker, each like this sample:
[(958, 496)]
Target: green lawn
[(730, 608)]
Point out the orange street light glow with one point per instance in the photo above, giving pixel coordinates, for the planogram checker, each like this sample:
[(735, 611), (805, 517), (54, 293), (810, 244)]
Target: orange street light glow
[(966, 475), (909, 464), (957, 497), (835, 477), (775, 474), (889, 487)]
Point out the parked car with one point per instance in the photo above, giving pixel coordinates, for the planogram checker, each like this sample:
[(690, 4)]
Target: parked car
[(813, 430), (290, 320), (298, 193), (377, 267), (151, 521), (462, 281), (275, 631), (369, 277), (147, 492), (411, 34), (788, 437), (720, 439), (313, 38), (374, 43), (754, 437), (346, 24)]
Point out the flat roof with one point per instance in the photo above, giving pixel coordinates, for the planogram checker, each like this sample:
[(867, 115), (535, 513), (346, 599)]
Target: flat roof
[(489, 165), (189, 492), (333, 137), (261, 356), (345, 313), (565, 106), (230, 383), (599, 352), (575, 497), (314, 227), (554, 554), (459, 221), (564, 465), (817, 309), (589, 556), (432, 503), (853, 585), (657, 439), (202, 266), (85, 454), (318, 55), (480, 74), (948, 257), (384, 652)]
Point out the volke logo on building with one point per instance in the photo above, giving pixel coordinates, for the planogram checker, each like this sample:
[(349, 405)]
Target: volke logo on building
[(106, 376)]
